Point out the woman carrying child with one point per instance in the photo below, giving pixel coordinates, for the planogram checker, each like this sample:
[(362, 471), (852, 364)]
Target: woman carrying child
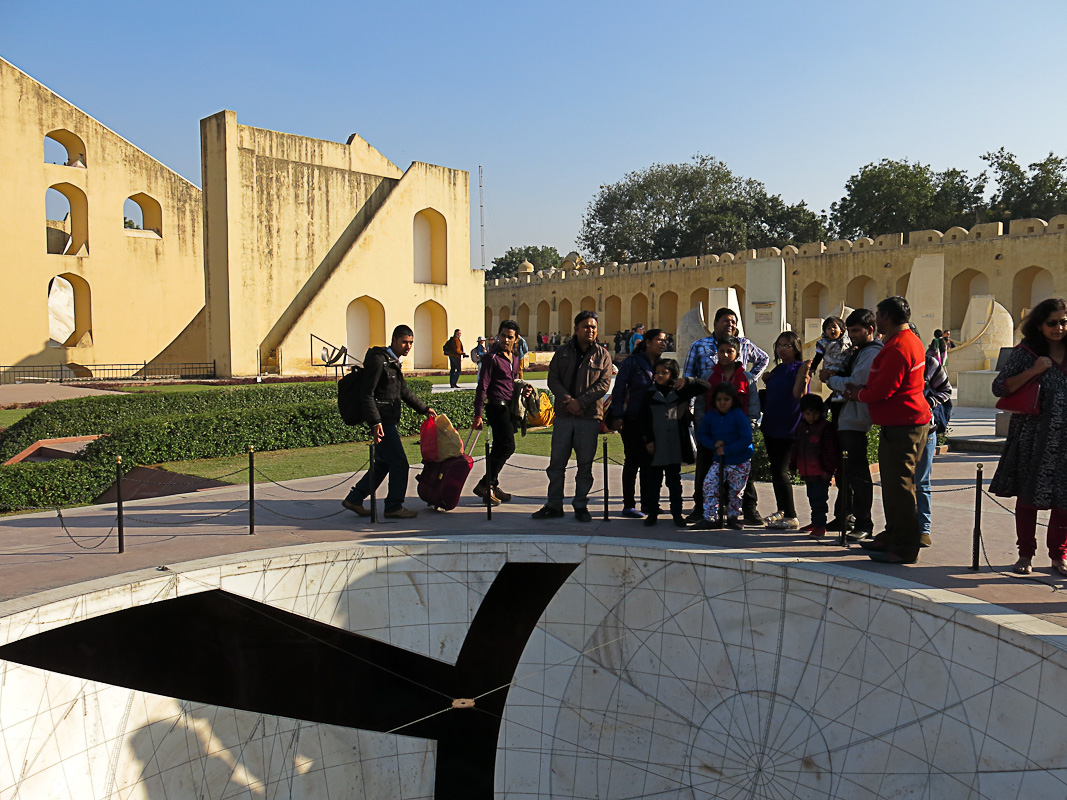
[(664, 410), (781, 413), (816, 457), (726, 432)]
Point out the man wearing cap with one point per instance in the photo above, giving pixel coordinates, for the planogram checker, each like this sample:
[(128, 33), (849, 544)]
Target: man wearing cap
[(476, 356), (578, 377)]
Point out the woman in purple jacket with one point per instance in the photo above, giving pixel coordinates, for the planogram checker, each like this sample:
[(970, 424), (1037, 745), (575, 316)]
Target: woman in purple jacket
[(631, 385)]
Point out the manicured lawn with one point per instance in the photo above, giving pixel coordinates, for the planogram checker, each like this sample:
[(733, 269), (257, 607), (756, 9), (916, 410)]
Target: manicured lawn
[(307, 462), (9, 416)]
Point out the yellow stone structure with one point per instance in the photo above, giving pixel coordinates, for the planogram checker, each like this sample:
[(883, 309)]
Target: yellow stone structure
[(1018, 267), (290, 238)]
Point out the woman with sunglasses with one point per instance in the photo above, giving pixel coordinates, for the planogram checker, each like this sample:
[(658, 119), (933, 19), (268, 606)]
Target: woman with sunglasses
[(1031, 469)]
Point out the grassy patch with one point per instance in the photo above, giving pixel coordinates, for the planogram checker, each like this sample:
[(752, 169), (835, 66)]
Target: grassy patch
[(9, 416)]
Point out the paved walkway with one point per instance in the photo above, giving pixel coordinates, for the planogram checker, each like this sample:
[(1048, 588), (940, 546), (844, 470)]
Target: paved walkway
[(41, 552), (43, 392)]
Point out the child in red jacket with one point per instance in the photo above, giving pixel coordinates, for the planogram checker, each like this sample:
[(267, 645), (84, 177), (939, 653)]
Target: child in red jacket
[(816, 456)]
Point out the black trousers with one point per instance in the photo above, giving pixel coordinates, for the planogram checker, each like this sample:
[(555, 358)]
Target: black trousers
[(635, 458), (651, 481), (778, 451), (857, 483), (503, 447)]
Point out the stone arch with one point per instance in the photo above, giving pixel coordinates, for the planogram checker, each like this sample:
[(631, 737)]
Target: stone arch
[(71, 143), (861, 292), (430, 236), (668, 312), (1029, 287), (73, 231), (638, 310), (739, 290), (697, 297), (364, 326), (815, 301), (588, 303), (488, 330), (566, 317), (522, 316), (505, 313), (902, 284), (145, 211), (431, 332), (612, 314), (544, 316), (70, 310), (967, 283)]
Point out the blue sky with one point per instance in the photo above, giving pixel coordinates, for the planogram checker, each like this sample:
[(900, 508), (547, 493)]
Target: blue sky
[(556, 98)]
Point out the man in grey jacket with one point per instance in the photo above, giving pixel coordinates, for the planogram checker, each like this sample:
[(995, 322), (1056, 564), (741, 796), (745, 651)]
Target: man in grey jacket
[(855, 420), (578, 377)]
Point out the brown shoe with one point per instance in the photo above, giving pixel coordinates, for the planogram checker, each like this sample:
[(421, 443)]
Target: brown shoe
[(357, 507), (486, 492), (402, 513)]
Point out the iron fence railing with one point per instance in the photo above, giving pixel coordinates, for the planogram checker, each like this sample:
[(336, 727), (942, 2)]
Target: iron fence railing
[(71, 373)]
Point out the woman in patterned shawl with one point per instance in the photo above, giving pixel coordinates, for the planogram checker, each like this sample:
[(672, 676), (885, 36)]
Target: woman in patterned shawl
[(1031, 469)]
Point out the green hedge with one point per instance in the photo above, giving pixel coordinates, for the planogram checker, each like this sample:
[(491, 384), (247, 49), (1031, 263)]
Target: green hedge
[(142, 432)]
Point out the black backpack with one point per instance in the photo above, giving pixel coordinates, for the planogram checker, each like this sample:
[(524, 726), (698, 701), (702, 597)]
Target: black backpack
[(348, 391)]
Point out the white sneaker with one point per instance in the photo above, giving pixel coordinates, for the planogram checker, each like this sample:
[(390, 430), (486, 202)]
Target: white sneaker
[(785, 524)]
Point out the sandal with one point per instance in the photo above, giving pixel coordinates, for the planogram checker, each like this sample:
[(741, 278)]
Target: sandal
[(1022, 567), (1060, 567)]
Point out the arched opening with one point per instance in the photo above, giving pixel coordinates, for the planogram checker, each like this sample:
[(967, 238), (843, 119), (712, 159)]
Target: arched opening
[(566, 317), (431, 248), (142, 212), (365, 326), (740, 292), (488, 330), (588, 303), (698, 297), (431, 333), (70, 313), (902, 285), (861, 292), (638, 310), (964, 285), (815, 301), (1029, 287), (544, 316), (63, 147), (522, 316), (505, 313), (668, 312), (67, 226), (612, 314)]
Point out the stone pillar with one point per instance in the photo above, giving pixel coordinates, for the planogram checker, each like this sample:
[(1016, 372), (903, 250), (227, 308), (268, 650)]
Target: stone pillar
[(765, 311), (720, 298), (926, 294)]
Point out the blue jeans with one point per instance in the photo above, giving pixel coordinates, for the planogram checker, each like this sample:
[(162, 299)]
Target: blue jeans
[(818, 499), (455, 363), (389, 459), (923, 470)]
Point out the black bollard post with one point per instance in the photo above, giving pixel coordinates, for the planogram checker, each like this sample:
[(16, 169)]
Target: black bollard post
[(251, 490), (846, 507), (489, 483), (373, 488), (605, 479), (118, 503), (976, 542)]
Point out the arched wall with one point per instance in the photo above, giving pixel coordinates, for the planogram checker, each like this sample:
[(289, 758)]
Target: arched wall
[(151, 212), (588, 303), (668, 312), (488, 331), (697, 297), (72, 143), (522, 316), (431, 333), (79, 217), (1029, 287), (638, 310), (963, 286), (544, 317), (566, 317), (429, 232), (861, 292), (365, 326), (612, 315), (815, 301)]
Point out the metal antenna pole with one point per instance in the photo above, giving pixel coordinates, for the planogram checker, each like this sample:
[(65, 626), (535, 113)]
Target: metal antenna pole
[(481, 211)]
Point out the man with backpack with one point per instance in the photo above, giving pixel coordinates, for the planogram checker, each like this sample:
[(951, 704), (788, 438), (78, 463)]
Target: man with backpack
[(454, 350), (381, 391)]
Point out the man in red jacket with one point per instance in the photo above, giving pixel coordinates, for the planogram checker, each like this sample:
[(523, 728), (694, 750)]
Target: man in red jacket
[(894, 396)]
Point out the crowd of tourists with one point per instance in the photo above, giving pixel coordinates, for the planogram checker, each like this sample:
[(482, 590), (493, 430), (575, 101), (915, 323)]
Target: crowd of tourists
[(705, 412)]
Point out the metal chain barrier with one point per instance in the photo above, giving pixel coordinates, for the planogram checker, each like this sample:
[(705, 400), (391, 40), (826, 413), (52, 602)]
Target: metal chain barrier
[(63, 524), (270, 510), (344, 480), (188, 521)]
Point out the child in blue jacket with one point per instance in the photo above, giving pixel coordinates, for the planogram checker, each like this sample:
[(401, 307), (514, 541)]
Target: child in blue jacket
[(726, 431)]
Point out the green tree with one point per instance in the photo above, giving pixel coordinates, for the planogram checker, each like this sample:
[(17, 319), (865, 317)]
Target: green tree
[(507, 265), (673, 210), (1038, 191), (897, 196)]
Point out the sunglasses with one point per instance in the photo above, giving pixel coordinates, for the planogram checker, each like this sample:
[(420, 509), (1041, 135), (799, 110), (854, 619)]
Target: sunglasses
[(1056, 323)]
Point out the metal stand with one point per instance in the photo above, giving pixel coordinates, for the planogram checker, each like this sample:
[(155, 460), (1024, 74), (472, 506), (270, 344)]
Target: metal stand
[(251, 490), (373, 488), (605, 479), (976, 542), (846, 507), (118, 503), (488, 483), (722, 493)]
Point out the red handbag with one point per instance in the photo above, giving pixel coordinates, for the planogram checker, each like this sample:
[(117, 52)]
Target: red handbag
[(1026, 400)]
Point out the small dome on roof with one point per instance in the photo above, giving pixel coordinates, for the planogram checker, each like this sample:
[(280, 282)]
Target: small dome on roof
[(526, 266)]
